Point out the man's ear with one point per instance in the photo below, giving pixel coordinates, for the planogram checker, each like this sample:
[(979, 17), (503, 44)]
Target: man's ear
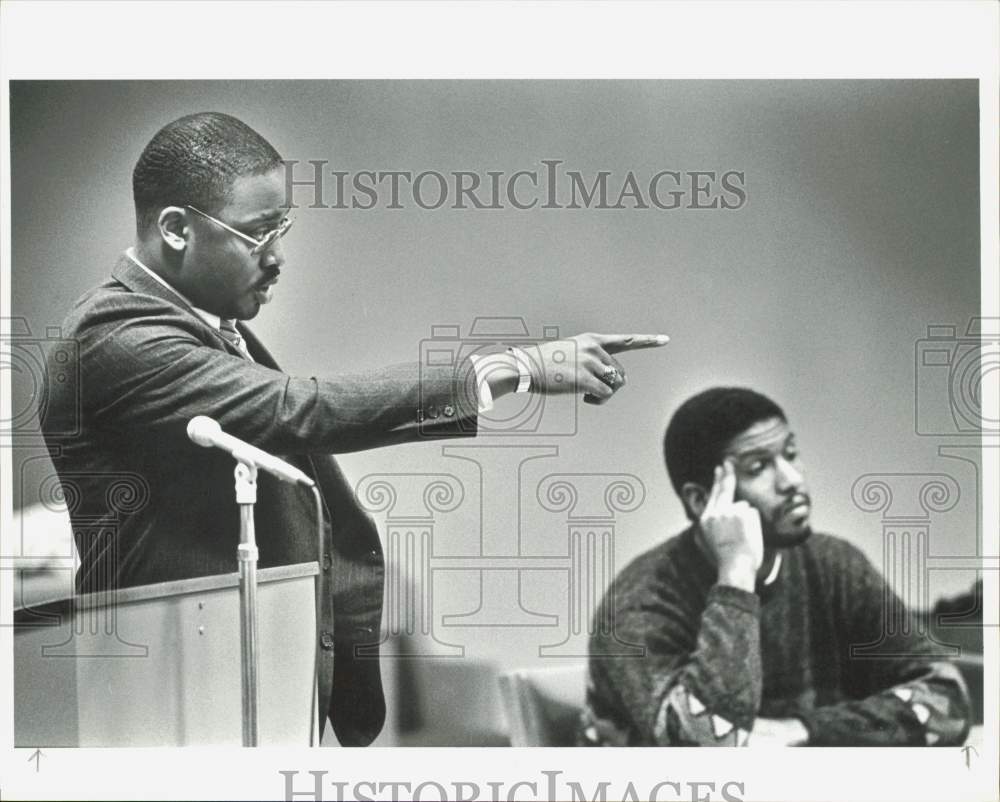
[(695, 497), (173, 227)]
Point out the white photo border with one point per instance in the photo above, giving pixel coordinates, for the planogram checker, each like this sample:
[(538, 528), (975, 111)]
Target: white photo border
[(189, 40)]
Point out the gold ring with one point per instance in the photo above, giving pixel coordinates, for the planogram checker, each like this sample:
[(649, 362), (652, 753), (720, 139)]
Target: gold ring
[(611, 377)]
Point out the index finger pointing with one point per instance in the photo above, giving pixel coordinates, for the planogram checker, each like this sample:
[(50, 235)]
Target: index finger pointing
[(615, 343), (715, 492), (728, 482)]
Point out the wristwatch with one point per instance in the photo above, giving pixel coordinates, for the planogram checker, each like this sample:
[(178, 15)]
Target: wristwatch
[(523, 371)]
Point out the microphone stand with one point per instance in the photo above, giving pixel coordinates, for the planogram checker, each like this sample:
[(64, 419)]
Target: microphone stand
[(205, 432), (246, 554)]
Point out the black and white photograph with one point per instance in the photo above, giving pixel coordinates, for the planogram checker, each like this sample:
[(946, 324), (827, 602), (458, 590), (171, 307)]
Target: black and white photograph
[(505, 413)]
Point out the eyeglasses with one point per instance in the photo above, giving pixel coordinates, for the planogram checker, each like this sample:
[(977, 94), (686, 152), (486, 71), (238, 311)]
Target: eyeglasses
[(259, 244)]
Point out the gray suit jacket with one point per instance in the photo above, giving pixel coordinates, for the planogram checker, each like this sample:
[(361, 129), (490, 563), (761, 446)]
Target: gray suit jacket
[(147, 505)]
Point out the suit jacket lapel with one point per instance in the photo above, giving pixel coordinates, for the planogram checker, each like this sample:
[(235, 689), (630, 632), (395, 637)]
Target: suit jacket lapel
[(136, 279), (357, 557)]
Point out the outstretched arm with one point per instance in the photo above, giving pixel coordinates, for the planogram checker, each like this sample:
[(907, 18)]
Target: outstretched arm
[(146, 368)]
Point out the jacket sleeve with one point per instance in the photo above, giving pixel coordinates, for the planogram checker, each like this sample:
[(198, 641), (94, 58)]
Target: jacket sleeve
[(695, 685), (908, 693), (145, 368)]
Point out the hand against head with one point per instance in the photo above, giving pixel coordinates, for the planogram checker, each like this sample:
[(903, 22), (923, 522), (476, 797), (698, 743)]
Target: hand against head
[(731, 531)]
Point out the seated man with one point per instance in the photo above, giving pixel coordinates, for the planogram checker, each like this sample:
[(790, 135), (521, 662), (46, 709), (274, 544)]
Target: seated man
[(748, 622)]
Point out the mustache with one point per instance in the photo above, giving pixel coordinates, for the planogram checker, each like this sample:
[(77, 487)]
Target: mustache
[(795, 501), (269, 276)]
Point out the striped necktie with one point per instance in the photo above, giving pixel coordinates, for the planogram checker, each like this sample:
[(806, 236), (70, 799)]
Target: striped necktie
[(227, 328)]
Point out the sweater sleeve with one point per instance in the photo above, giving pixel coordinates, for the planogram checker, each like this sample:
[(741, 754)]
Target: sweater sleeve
[(690, 687), (908, 693), (716, 691)]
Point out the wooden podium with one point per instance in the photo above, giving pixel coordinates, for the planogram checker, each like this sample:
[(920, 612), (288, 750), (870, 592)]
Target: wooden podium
[(159, 665)]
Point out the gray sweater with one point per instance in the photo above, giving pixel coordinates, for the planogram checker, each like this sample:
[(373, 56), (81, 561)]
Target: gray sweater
[(678, 660)]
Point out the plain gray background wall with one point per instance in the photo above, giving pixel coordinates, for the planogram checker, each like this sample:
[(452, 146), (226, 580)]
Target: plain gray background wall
[(861, 229)]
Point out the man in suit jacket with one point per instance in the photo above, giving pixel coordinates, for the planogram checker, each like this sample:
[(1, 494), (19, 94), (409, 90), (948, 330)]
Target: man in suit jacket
[(161, 341)]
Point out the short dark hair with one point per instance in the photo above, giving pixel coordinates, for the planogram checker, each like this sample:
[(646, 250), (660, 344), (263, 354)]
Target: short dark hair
[(702, 426), (195, 160)]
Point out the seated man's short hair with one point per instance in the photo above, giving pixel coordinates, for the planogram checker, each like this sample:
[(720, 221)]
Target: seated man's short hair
[(702, 426)]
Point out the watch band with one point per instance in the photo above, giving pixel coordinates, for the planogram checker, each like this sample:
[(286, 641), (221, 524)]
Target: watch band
[(523, 371)]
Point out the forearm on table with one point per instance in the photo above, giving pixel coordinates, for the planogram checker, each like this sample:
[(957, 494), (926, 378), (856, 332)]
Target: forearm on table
[(716, 694), (929, 709)]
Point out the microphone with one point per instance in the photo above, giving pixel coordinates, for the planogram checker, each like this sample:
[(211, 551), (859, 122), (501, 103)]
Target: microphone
[(206, 432)]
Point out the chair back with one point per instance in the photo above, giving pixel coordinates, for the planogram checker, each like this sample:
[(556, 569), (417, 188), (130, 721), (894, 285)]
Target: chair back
[(543, 705)]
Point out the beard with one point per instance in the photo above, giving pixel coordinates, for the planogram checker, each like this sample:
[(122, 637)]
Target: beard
[(782, 532), (774, 539)]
